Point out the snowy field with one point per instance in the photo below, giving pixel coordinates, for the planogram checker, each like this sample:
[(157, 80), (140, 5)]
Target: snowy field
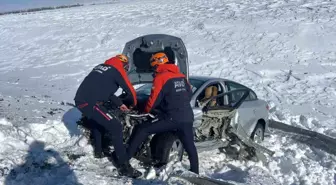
[(283, 49)]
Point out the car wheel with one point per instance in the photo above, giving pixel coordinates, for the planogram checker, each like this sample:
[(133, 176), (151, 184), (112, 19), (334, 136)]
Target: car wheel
[(167, 148), (258, 133), (175, 152)]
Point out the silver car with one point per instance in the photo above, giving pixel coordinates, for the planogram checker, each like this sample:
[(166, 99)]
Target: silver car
[(226, 113), (251, 115)]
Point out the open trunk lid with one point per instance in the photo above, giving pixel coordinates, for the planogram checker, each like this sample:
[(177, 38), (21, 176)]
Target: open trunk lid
[(140, 50)]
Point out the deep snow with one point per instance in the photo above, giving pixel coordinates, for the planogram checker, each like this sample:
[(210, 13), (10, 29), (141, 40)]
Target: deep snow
[(284, 50)]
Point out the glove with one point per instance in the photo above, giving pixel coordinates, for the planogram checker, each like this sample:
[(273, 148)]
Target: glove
[(124, 108)]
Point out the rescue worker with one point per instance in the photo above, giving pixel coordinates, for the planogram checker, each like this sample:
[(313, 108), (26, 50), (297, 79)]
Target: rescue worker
[(96, 89), (171, 95)]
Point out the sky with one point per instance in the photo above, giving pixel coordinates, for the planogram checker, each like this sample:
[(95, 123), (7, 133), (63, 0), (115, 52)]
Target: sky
[(10, 5)]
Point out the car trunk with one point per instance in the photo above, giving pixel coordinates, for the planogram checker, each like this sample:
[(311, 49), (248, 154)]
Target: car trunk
[(140, 50)]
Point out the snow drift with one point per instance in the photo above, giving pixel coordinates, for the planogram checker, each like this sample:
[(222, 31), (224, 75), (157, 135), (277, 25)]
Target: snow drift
[(284, 50)]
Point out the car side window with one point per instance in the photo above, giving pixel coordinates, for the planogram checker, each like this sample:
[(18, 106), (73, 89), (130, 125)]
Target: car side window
[(236, 96), (252, 96), (209, 91)]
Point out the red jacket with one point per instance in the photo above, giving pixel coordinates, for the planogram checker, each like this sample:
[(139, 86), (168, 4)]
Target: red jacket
[(103, 81), (171, 93)]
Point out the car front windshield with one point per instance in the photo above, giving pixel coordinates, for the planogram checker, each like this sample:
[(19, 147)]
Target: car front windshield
[(195, 84), (146, 88)]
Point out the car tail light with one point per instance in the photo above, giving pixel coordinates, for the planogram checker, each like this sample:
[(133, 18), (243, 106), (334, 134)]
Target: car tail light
[(267, 107)]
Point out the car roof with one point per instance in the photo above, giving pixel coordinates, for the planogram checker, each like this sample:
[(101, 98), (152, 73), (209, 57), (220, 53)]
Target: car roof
[(211, 79), (206, 78)]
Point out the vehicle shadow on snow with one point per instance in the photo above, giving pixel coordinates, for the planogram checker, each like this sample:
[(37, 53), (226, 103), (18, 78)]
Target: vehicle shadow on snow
[(42, 167), (70, 119)]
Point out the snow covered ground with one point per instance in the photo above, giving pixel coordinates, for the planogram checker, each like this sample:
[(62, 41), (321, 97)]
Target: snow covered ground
[(284, 49)]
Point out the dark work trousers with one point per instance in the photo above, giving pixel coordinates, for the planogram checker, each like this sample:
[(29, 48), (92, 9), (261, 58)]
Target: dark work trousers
[(97, 132), (99, 115), (184, 132)]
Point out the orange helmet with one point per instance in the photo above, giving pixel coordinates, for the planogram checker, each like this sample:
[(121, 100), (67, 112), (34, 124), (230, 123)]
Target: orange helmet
[(119, 58), (158, 59), (123, 58)]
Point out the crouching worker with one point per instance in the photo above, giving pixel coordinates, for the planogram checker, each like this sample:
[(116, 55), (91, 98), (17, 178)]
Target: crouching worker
[(99, 87), (171, 95)]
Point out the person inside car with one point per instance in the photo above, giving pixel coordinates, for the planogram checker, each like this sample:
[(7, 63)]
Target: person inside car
[(98, 88), (171, 95)]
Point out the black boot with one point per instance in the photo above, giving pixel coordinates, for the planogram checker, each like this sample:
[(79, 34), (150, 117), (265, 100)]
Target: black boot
[(124, 169), (127, 170)]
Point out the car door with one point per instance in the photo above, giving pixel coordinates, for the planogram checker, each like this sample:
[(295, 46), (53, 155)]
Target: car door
[(199, 95), (247, 110)]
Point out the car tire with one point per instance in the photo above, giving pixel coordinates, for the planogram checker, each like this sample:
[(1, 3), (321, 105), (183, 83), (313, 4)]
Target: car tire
[(258, 133), (165, 148)]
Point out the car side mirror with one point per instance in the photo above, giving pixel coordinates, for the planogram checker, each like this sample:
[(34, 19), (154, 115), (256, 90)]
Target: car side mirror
[(205, 109)]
